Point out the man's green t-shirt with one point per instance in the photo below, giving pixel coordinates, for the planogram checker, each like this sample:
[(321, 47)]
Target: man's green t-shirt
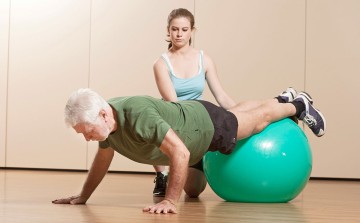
[(143, 122)]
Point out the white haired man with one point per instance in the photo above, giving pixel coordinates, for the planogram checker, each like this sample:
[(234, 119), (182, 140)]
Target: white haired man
[(157, 132)]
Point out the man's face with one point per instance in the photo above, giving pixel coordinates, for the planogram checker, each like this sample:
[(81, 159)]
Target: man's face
[(93, 132)]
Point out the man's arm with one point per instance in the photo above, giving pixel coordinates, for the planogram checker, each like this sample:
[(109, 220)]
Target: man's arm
[(179, 156), (97, 172)]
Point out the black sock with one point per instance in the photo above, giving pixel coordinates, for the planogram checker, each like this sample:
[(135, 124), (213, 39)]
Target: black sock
[(159, 174), (300, 107), (280, 99)]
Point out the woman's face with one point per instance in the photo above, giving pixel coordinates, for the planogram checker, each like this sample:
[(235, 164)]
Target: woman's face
[(180, 31)]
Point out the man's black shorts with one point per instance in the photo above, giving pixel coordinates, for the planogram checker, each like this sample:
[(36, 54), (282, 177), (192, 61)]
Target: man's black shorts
[(225, 126)]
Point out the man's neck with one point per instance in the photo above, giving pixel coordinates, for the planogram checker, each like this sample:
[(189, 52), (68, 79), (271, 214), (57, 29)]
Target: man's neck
[(114, 120)]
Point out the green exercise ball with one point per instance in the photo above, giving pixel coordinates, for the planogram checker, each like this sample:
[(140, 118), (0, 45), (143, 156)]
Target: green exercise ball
[(272, 166)]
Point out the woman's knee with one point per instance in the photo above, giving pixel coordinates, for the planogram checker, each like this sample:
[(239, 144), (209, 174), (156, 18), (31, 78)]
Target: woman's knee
[(195, 183), (194, 191)]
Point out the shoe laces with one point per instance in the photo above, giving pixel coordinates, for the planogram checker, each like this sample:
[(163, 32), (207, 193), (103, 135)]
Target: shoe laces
[(309, 120)]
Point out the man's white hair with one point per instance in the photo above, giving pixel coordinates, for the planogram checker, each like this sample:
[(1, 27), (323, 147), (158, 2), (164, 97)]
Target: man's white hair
[(84, 106)]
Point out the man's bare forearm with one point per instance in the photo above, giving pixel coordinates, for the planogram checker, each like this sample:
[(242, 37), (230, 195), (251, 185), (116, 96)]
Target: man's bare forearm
[(177, 177), (97, 171)]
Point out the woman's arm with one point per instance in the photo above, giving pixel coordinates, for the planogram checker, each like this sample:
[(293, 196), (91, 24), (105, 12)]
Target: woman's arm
[(216, 89), (163, 81)]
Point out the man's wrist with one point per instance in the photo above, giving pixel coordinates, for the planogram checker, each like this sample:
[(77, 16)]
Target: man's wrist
[(170, 201)]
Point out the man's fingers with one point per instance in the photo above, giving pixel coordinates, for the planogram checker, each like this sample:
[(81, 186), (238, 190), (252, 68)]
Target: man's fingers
[(74, 201), (160, 208), (146, 209), (70, 200), (173, 210), (62, 201)]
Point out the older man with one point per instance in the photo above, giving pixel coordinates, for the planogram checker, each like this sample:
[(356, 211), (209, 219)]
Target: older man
[(156, 132)]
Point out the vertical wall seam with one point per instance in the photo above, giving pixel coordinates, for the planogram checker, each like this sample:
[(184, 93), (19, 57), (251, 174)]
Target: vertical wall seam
[(195, 20), (305, 51), (89, 75), (89, 56), (7, 90)]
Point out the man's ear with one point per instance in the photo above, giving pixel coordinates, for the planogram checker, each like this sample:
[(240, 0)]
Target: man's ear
[(103, 114)]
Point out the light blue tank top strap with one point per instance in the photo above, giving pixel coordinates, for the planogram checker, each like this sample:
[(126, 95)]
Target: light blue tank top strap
[(187, 88), (201, 61), (165, 57)]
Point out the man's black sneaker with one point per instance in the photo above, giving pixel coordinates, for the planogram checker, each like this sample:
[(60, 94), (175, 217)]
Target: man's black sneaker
[(288, 95), (312, 117)]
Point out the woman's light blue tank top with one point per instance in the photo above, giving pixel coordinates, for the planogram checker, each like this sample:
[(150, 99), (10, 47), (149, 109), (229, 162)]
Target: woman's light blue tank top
[(187, 88)]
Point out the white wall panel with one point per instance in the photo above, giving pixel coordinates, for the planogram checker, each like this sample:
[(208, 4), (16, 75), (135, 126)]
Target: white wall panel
[(258, 46), (333, 68), (48, 59)]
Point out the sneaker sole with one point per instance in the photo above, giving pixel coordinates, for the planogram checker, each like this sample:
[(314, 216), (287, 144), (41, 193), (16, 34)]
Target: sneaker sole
[(321, 133), (293, 92), (307, 96), (158, 195)]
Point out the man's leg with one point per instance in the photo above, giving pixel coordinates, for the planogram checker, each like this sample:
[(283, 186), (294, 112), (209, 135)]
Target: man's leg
[(284, 97), (255, 120)]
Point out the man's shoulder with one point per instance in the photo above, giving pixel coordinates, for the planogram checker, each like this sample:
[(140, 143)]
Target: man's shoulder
[(134, 102), (126, 99), (142, 99)]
